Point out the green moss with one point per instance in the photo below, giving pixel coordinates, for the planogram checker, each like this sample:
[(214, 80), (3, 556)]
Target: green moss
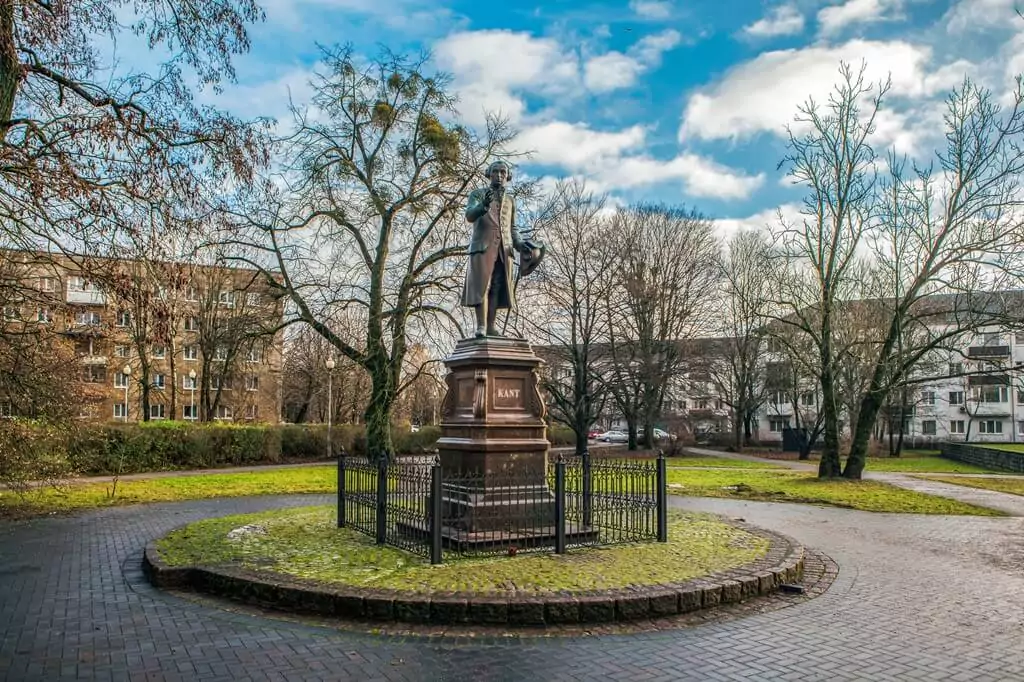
[(807, 488), (720, 463), (305, 543), (923, 465)]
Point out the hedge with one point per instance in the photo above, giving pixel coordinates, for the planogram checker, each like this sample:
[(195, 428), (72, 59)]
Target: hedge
[(106, 449)]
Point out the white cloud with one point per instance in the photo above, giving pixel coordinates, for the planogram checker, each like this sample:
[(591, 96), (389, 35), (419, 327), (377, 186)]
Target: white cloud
[(576, 146), (783, 20), (615, 70), (761, 220), (979, 15), (493, 68), (615, 160), (764, 93), (651, 9), (833, 19)]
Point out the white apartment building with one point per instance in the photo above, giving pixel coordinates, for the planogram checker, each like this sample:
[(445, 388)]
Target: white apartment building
[(977, 395)]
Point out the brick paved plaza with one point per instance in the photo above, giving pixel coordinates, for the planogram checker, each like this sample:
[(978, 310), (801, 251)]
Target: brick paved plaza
[(917, 597)]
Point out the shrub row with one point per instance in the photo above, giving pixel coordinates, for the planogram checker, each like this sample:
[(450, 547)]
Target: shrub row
[(106, 449)]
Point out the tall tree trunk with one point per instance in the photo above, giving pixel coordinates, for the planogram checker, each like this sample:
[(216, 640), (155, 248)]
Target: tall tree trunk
[(10, 66), (866, 417), (829, 466), (379, 446)]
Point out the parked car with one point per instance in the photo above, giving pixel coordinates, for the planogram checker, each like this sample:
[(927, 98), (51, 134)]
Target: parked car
[(658, 435), (594, 434), (613, 437)]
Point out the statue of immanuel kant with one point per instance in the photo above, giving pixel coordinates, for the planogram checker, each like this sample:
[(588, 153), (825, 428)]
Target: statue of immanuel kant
[(489, 282)]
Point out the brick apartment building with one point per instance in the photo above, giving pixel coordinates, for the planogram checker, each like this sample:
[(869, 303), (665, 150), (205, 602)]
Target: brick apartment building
[(199, 341)]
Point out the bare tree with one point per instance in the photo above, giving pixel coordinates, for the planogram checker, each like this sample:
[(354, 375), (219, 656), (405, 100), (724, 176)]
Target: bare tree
[(566, 302), (738, 375), (368, 218), (87, 150), (665, 283)]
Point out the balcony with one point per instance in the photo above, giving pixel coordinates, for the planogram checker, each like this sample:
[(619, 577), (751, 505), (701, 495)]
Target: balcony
[(989, 380), (988, 352), (100, 360), (86, 297), (981, 410)]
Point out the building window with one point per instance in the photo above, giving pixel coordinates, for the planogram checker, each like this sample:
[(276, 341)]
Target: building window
[(119, 411), (44, 316), (190, 352), (253, 298), (956, 397), (122, 351), (47, 284), (156, 411), (160, 291), (191, 293), (991, 394), (191, 324), (223, 412), (991, 339), (956, 369), (1019, 338), (159, 381), (807, 398), (956, 426), (120, 380), (77, 283), (255, 355), (928, 427), (250, 412), (226, 299), (88, 411), (777, 425), (87, 318), (777, 398), (990, 426), (124, 318), (775, 345), (221, 382), (6, 409), (252, 382), (1020, 397), (11, 312), (1020, 428), (928, 398), (220, 353), (94, 374), (159, 352), (190, 412), (188, 383)]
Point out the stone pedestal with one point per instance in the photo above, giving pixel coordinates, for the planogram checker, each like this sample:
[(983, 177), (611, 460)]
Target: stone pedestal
[(493, 438)]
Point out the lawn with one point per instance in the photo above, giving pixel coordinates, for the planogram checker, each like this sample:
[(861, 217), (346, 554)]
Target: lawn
[(305, 543), (1011, 484), (924, 464), (763, 485), (719, 462), (70, 498), (806, 488)]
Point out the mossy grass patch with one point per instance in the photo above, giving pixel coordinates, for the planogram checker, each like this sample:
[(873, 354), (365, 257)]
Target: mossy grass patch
[(305, 543)]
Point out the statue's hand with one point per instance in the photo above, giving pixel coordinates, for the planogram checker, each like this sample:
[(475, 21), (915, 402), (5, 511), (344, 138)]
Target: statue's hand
[(488, 198)]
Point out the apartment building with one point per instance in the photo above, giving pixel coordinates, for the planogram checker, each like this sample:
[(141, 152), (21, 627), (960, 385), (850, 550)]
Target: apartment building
[(972, 393), (153, 341)]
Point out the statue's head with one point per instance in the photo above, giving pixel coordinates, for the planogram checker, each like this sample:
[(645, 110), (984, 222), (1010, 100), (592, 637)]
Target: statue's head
[(499, 173)]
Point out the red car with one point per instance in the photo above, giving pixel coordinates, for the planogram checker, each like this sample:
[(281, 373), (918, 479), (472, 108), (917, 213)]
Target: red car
[(594, 433)]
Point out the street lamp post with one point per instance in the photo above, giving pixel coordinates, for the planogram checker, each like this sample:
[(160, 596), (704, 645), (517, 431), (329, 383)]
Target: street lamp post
[(127, 371), (330, 450), (330, 402), (192, 387)]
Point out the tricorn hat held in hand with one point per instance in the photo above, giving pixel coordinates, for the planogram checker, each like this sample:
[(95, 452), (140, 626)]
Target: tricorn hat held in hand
[(528, 262)]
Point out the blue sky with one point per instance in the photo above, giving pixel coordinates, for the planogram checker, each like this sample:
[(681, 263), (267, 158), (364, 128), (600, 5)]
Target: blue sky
[(663, 100)]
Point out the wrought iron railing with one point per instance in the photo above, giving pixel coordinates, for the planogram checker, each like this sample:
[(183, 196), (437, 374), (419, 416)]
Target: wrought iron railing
[(424, 508)]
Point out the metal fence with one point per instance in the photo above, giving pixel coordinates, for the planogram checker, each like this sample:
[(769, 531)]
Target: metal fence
[(419, 506)]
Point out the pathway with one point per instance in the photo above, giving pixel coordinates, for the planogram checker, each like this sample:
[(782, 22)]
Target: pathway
[(917, 597)]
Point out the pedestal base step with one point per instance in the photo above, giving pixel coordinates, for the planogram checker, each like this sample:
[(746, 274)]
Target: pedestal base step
[(470, 541)]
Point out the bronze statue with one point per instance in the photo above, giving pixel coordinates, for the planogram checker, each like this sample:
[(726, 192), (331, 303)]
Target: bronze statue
[(489, 282)]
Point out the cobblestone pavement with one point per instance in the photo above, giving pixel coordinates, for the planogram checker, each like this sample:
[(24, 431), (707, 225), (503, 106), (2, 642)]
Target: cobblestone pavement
[(917, 597)]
